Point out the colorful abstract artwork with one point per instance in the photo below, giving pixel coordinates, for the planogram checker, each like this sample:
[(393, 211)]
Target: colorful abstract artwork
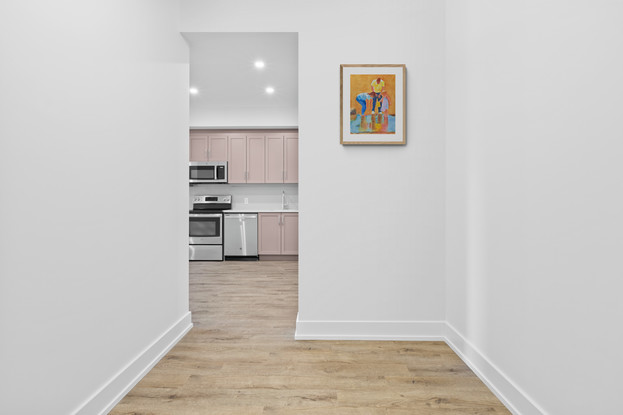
[(372, 104), (373, 110)]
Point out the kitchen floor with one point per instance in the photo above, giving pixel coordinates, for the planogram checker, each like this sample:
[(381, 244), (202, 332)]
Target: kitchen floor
[(241, 358)]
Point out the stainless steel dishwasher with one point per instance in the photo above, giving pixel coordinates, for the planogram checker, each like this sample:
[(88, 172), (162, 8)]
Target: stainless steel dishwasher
[(241, 236)]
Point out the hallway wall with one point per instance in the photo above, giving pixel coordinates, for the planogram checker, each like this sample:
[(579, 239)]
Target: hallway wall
[(93, 286), (534, 178), (371, 222)]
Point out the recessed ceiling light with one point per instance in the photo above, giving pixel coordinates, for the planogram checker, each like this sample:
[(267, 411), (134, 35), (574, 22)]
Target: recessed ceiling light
[(193, 91), (259, 64), (270, 90)]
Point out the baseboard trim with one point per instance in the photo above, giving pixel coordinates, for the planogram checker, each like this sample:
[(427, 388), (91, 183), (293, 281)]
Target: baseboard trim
[(109, 395), (511, 395), (370, 330)]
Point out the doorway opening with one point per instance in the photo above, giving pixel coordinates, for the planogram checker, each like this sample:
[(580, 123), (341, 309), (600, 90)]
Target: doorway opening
[(244, 114)]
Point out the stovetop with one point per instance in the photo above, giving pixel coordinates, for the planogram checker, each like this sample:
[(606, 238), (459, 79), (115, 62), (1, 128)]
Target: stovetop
[(196, 211), (210, 203)]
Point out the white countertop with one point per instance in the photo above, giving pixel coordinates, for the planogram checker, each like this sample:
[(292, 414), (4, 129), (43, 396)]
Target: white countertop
[(261, 208)]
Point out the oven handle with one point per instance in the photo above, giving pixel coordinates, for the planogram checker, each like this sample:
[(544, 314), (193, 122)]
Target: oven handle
[(205, 215)]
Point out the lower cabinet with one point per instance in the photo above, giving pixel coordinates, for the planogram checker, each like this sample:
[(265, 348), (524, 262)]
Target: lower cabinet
[(278, 233)]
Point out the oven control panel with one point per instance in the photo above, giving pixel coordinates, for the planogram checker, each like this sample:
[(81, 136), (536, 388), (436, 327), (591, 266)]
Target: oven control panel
[(212, 199)]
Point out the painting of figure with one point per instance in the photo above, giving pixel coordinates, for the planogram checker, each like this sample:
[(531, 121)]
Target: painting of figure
[(372, 101)]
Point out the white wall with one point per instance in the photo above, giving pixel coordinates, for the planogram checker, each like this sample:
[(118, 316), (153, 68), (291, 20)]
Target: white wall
[(534, 202), (371, 222), (94, 100)]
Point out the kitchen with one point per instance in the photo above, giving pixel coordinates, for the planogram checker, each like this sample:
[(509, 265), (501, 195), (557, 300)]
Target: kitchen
[(243, 165)]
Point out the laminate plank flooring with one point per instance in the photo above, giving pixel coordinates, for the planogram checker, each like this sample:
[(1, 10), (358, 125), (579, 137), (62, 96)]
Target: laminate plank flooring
[(241, 358)]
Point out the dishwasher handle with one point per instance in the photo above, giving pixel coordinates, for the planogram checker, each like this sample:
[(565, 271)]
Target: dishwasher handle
[(241, 215)]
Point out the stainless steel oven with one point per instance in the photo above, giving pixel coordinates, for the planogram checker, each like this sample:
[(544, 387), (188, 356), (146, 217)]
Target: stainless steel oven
[(206, 229), (205, 235)]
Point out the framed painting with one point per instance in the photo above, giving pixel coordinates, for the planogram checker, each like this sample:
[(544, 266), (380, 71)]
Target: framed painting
[(372, 104)]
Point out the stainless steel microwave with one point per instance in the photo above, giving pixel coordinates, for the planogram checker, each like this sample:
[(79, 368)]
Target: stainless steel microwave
[(207, 172)]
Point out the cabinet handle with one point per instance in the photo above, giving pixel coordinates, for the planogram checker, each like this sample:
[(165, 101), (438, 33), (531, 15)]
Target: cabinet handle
[(283, 175), (207, 153)]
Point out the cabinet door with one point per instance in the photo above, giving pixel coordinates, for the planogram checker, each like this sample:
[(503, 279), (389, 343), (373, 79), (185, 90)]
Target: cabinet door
[(256, 154), (290, 233), (237, 167), (291, 158), (198, 147), (217, 147), (274, 159), (269, 230)]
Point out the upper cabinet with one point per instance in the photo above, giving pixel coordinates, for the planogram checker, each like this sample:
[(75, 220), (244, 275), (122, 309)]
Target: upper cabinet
[(274, 158), (253, 157), (237, 161), (198, 146), (246, 158), (207, 147), (291, 158), (217, 147), (256, 158), (282, 158)]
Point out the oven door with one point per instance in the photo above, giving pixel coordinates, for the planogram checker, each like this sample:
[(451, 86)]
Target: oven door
[(206, 229)]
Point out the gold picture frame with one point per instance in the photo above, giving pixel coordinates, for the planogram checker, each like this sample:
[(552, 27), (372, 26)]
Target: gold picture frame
[(373, 104)]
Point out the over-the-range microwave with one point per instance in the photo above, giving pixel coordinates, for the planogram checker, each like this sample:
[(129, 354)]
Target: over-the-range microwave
[(207, 172)]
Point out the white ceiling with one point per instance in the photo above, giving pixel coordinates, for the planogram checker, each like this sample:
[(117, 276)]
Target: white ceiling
[(222, 69)]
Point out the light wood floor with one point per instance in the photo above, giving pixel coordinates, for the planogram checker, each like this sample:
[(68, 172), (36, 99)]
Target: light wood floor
[(241, 358)]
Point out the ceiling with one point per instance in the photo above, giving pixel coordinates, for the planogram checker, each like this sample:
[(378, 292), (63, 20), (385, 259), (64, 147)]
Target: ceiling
[(223, 71)]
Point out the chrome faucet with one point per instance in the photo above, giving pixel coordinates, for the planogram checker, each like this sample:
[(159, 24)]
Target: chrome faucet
[(283, 200)]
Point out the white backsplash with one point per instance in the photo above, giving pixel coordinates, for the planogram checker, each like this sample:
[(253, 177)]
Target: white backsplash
[(260, 195)]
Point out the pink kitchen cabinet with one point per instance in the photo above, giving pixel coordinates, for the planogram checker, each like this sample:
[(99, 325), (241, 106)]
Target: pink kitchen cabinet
[(256, 158), (246, 158), (207, 147), (269, 233), (289, 233), (291, 158), (274, 158), (217, 147), (237, 161), (282, 152), (278, 233), (198, 146)]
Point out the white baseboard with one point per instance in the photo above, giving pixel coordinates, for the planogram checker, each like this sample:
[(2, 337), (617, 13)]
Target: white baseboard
[(515, 399), (370, 330), (105, 399)]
